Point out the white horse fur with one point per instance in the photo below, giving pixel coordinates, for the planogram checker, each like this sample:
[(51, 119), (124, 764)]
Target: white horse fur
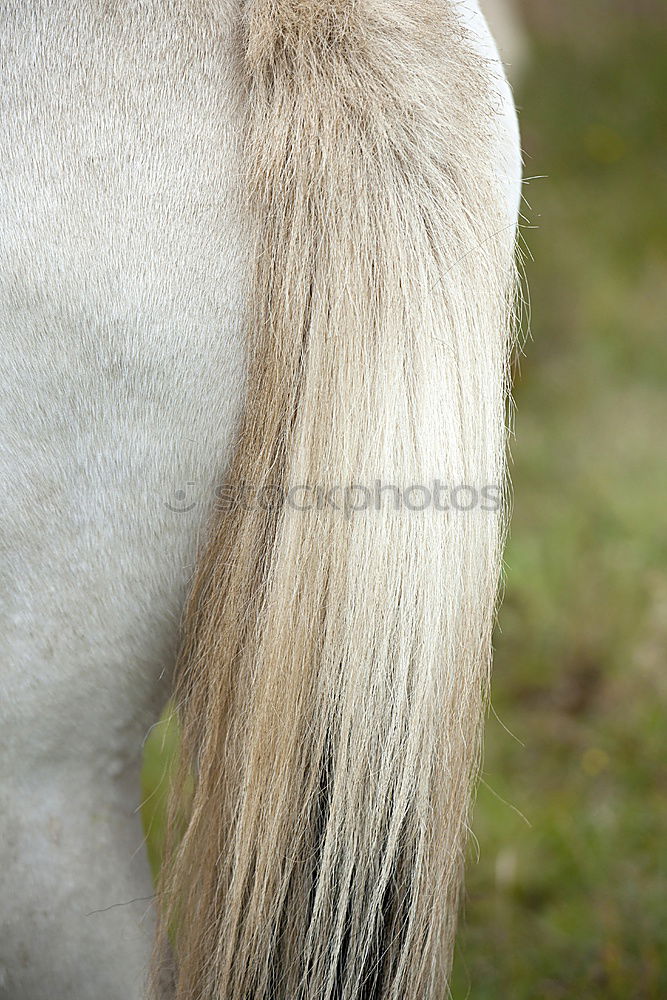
[(126, 259)]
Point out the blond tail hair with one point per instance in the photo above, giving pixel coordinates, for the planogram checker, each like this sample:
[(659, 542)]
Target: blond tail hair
[(335, 661)]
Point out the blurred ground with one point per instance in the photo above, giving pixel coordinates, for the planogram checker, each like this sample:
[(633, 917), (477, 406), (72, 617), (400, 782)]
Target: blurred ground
[(571, 901), (569, 895)]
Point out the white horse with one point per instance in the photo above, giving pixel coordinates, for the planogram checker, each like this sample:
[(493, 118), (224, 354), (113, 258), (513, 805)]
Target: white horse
[(267, 242)]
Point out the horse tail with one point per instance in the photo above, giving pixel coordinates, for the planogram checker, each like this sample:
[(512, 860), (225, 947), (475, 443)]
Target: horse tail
[(337, 640)]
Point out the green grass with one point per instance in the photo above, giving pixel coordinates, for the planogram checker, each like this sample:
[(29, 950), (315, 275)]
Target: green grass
[(567, 897)]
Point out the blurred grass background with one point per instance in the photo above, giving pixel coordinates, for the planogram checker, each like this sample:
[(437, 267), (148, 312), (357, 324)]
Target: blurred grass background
[(567, 895)]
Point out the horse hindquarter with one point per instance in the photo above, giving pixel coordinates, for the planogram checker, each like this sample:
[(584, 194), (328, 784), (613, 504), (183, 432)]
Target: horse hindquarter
[(121, 375), (128, 269)]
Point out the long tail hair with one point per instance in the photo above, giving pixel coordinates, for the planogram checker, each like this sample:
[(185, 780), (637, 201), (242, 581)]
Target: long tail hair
[(337, 643)]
